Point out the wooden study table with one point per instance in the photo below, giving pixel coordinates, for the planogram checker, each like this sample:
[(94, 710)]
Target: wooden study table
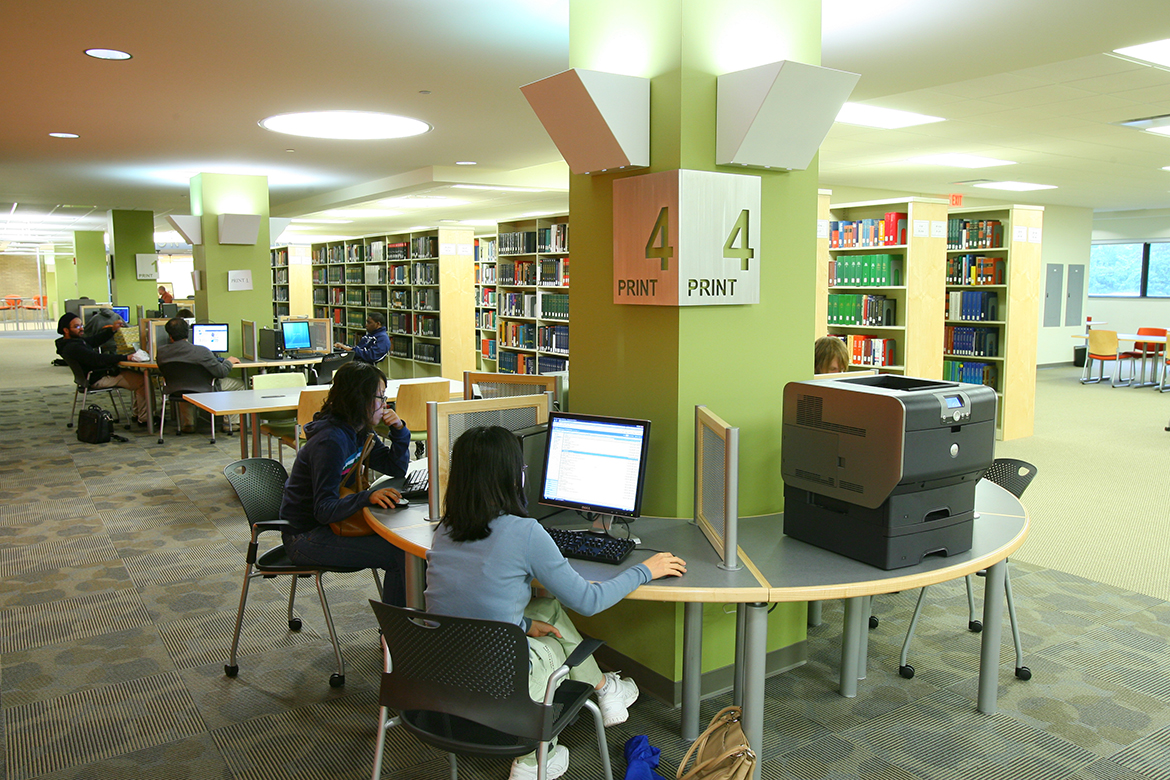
[(1138, 338), (777, 569)]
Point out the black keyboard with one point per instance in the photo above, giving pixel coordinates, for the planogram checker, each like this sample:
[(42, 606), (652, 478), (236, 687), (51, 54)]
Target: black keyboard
[(591, 547), (415, 483)]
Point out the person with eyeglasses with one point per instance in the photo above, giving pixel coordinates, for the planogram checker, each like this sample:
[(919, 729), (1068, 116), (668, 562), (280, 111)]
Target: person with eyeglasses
[(333, 446)]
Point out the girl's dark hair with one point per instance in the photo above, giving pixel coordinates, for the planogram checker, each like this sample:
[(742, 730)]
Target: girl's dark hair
[(355, 386), (487, 467)]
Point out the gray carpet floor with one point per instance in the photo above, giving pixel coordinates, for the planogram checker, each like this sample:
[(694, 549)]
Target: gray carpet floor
[(117, 598)]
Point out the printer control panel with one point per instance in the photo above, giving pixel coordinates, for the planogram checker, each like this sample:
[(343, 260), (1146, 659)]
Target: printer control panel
[(954, 408)]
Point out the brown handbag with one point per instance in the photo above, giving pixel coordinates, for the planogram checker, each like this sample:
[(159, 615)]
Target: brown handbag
[(721, 752), (355, 524)]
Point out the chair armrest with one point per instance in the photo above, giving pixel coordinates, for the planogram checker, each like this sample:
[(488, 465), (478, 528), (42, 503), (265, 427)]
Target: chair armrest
[(272, 525), (580, 653)]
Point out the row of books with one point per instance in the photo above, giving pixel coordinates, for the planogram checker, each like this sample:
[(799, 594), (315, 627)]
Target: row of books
[(426, 352), (553, 338), (424, 273), (485, 250), (554, 271), (376, 299), (400, 347), (354, 297), (973, 342), (485, 273), (424, 246), (400, 299), (280, 276), (972, 372), (554, 306), (280, 256), (486, 297), (516, 363), (890, 230), (870, 350), (327, 275), (518, 334), (856, 309), (976, 269), (866, 271), (487, 347), (410, 323), (546, 364), (975, 305), (518, 305), (355, 320), (485, 319), (381, 251), (426, 325), (517, 272), (553, 239), (974, 233), (517, 243), (426, 299)]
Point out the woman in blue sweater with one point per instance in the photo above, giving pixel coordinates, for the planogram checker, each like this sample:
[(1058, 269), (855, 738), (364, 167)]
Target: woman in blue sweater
[(485, 555), (334, 442)]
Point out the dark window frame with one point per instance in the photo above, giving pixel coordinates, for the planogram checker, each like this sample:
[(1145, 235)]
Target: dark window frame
[(1145, 273)]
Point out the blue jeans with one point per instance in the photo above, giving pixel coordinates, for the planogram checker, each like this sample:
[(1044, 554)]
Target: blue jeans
[(322, 547)]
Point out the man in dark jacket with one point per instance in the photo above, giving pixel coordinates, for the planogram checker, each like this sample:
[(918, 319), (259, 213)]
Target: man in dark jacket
[(373, 346), (181, 350), (101, 370)]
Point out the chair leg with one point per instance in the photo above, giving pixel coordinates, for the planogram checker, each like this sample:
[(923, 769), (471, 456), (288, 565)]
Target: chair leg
[(973, 622), (377, 582), (454, 762), (1022, 672), (602, 745), (384, 724), (232, 668), (73, 410), (541, 761), (162, 416), (213, 429), (337, 679), (905, 669)]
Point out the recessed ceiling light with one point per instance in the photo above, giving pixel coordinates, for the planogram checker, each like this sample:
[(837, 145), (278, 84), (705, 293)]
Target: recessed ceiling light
[(1156, 52), (305, 221), (959, 161), (346, 125), (1163, 130), (64, 135), (465, 162), (1166, 167), (107, 54), (488, 187), (884, 118), (1014, 186)]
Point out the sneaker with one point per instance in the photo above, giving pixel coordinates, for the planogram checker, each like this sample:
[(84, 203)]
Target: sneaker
[(615, 697), (556, 765)]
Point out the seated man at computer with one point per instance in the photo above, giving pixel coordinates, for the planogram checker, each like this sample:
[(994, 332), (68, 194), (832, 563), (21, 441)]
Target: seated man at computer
[(101, 370), (164, 295), (373, 346), (181, 350)]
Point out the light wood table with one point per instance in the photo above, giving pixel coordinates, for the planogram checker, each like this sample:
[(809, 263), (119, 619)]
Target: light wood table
[(1134, 337)]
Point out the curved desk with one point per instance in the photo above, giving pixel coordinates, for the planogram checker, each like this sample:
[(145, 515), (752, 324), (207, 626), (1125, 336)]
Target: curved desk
[(777, 569)]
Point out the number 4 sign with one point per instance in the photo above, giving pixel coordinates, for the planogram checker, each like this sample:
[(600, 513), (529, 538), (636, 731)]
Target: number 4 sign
[(686, 238)]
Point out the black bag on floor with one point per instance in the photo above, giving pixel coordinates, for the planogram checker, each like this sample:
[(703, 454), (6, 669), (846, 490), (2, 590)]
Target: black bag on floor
[(94, 425)]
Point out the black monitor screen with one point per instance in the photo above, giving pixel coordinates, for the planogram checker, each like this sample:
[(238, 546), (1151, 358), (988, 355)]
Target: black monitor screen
[(214, 336), (595, 464), (169, 310), (123, 312), (296, 334)]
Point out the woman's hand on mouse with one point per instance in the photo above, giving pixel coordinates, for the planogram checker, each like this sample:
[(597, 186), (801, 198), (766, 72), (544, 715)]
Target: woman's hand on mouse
[(385, 498), (665, 564)]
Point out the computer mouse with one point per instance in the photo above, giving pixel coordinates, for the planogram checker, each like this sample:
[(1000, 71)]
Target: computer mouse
[(402, 502)]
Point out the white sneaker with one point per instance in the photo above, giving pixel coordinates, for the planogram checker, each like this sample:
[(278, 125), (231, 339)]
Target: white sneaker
[(615, 697), (556, 765)]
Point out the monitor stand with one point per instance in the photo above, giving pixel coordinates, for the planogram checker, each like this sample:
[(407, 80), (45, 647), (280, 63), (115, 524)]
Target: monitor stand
[(603, 525)]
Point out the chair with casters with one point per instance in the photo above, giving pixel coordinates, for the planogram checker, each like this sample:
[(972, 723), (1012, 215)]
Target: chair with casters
[(259, 484), (1103, 348), (461, 685), (1143, 351), (310, 402), (322, 373), (411, 406), (281, 423), (180, 378), (1013, 476), (83, 388)]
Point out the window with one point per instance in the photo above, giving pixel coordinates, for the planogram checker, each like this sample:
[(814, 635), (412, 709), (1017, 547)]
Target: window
[(1134, 270)]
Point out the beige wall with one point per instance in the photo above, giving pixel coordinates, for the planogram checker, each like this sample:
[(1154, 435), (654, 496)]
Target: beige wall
[(18, 275)]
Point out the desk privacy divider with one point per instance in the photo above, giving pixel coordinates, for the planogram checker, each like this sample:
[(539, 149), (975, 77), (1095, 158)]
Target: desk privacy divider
[(717, 485), (156, 336), (490, 385), (446, 422), (249, 348)]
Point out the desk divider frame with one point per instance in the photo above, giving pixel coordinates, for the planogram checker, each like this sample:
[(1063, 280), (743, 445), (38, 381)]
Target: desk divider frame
[(249, 340), (717, 485), (495, 385)]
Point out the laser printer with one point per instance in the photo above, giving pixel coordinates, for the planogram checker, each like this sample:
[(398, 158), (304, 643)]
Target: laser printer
[(882, 468)]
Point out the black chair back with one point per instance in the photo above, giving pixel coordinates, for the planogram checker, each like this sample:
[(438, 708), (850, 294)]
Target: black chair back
[(1011, 474), (322, 373), (259, 483), (472, 669), (180, 377), (80, 377)]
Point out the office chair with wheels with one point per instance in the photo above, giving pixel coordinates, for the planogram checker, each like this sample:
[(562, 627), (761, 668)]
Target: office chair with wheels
[(1013, 476), (322, 373), (461, 685), (259, 484), (180, 378), (85, 390)]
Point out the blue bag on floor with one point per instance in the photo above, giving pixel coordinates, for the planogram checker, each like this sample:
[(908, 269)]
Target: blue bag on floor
[(641, 758)]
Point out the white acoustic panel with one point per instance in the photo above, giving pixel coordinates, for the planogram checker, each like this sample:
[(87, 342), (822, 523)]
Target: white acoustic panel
[(598, 121), (276, 226), (239, 228), (187, 226), (777, 115)]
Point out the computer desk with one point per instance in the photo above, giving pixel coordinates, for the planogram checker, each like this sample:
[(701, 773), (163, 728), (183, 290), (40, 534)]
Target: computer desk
[(777, 569)]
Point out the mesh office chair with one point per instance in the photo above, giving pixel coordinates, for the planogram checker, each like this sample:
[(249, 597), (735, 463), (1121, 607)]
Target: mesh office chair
[(180, 378), (85, 389), (322, 373), (1013, 476), (461, 685), (259, 484)]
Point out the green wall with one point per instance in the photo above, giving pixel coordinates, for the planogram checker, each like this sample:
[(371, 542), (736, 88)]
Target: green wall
[(93, 280), (132, 234)]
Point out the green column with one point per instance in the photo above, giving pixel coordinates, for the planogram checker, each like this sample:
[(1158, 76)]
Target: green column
[(132, 234), (213, 194), (89, 276), (659, 362)]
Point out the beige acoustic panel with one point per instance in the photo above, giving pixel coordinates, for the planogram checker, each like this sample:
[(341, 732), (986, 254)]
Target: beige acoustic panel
[(598, 121), (239, 228), (777, 115)]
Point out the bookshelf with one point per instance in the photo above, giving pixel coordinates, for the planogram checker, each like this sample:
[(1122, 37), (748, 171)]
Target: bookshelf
[(992, 306), (532, 289), (423, 283), (486, 305), (879, 287), (292, 291)]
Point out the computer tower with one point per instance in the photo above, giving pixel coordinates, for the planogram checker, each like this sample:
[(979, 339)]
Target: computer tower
[(532, 442), (270, 344)]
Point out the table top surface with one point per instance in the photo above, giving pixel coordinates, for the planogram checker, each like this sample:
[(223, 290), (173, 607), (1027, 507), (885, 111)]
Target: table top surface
[(282, 398), (1128, 337), (778, 568)]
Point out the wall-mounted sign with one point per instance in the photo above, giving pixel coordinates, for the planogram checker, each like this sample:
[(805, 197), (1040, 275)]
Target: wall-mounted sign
[(146, 266), (240, 280), (686, 238)]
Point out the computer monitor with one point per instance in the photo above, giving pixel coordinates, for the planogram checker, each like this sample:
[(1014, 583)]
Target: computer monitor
[(212, 335), (168, 310), (296, 335), (123, 312), (595, 464)]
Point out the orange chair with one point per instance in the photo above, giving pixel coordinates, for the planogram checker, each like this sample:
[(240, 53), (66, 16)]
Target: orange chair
[(10, 303), (38, 303), (1144, 350), (1102, 348)]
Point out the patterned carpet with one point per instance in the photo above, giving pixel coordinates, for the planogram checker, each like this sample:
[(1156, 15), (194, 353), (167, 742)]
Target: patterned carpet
[(120, 572)]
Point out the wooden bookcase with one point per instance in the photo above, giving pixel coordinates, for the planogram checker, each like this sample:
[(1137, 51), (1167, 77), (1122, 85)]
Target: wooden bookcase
[(916, 329), (532, 291), (423, 283), (1010, 259), (292, 291), (486, 305)]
